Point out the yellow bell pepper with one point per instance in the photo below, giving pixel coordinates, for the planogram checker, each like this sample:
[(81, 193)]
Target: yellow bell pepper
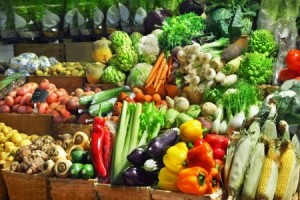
[(175, 157), (191, 131), (167, 180)]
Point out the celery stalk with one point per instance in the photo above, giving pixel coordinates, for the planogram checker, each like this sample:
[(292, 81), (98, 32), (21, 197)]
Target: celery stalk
[(136, 127)]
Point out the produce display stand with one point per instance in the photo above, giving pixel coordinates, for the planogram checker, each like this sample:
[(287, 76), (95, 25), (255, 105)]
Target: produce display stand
[(112, 192), (157, 194), (3, 189), (75, 189), (25, 186), (61, 128)]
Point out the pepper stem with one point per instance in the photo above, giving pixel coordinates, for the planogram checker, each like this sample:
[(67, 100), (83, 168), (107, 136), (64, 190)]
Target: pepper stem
[(201, 179)]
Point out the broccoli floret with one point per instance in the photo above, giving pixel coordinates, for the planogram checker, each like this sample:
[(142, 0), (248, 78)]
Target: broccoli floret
[(256, 68), (263, 41), (118, 39), (113, 75), (124, 59)]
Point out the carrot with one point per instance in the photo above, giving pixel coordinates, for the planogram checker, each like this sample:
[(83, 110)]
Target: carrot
[(162, 78), (159, 72), (170, 63), (122, 96), (155, 68), (139, 97)]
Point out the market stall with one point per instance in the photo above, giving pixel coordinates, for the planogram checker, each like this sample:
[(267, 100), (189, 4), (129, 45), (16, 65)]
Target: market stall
[(150, 100)]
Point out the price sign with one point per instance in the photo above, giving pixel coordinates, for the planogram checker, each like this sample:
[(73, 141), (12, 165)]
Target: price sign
[(39, 95)]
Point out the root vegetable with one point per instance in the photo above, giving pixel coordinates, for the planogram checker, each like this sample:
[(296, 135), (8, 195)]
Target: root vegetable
[(9, 101), (209, 109), (52, 97), (229, 80), (210, 74), (217, 63), (24, 109), (61, 167), (72, 105), (181, 104), (4, 109), (48, 168), (219, 77)]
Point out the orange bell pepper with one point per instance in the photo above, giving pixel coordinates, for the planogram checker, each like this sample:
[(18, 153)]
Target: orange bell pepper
[(215, 180), (194, 180)]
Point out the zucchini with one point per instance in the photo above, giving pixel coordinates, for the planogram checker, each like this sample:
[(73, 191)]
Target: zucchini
[(108, 94), (11, 82), (84, 100), (102, 108)]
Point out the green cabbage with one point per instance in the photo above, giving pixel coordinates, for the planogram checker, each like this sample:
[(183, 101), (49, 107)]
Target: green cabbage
[(139, 74)]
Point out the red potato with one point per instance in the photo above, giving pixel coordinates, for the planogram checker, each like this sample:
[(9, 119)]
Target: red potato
[(12, 94), (9, 101), (44, 85), (15, 107), (73, 104), (63, 111), (54, 105), (18, 99), (26, 100), (4, 109), (26, 88), (52, 97), (48, 110), (24, 109), (62, 92), (42, 108), (71, 119), (59, 119), (63, 100), (2, 102), (52, 87)]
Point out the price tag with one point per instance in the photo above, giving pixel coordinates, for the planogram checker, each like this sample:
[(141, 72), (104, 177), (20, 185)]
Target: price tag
[(39, 95)]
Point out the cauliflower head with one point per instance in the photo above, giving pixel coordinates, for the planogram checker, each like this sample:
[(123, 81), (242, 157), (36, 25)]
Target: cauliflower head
[(263, 41), (148, 48), (256, 68), (139, 74), (113, 75), (124, 59), (118, 39)]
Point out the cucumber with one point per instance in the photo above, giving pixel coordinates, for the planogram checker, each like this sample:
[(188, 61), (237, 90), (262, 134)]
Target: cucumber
[(108, 94), (84, 100), (11, 82), (102, 108)]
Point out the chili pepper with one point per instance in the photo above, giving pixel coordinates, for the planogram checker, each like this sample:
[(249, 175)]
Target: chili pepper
[(167, 180), (292, 60), (107, 150), (201, 156), (215, 180), (194, 180), (218, 144), (191, 131), (96, 145), (175, 157)]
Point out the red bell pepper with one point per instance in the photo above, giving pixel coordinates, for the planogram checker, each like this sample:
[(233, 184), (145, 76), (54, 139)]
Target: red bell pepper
[(218, 143), (201, 155), (292, 60), (100, 142)]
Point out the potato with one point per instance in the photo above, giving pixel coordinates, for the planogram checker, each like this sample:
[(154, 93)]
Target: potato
[(4, 109), (72, 105)]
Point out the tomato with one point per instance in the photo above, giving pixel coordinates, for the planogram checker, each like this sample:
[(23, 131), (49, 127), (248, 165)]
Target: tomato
[(292, 60)]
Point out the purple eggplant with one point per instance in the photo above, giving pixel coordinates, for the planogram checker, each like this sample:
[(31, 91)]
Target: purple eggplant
[(158, 146), (137, 176), (138, 156)]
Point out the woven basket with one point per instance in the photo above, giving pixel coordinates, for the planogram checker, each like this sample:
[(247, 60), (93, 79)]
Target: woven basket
[(166, 195), (110, 192), (75, 189), (26, 187)]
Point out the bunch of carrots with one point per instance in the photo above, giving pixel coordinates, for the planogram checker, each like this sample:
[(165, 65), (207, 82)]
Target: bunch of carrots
[(160, 72)]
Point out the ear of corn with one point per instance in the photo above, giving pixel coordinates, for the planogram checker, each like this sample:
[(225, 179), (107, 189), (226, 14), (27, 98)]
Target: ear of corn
[(254, 131), (238, 166), (269, 175), (287, 160), (253, 171)]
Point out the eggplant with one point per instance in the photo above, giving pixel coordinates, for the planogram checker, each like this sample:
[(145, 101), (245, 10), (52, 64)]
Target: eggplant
[(138, 156), (158, 146), (137, 176)]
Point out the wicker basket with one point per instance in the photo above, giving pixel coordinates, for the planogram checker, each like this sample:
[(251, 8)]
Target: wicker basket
[(110, 192), (26, 187), (75, 189), (166, 195)]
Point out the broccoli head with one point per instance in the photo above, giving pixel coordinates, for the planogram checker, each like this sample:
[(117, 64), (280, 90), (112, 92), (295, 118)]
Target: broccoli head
[(256, 68), (113, 75), (263, 41), (124, 59), (118, 39)]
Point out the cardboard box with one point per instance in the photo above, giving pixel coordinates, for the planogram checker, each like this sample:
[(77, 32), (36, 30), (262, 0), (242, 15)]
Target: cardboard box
[(29, 123), (70, 83)]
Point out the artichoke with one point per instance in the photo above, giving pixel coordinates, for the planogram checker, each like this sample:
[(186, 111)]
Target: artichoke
[(124, 59), (113, 75), (119, 39)]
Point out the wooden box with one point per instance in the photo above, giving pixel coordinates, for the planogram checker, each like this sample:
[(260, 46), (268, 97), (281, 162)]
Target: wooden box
[(28, 123), (78, 51), (49, 50)]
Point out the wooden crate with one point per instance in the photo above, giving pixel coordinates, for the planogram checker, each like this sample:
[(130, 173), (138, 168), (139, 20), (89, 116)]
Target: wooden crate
[(3, 189), (78, 51), (26, 187), (49, 50), (28, 123), (166, 195), (61, 128), (70, 83), (111, 192), (75, 189)]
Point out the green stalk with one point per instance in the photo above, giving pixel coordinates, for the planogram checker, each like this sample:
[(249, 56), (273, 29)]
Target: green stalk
[(119, 144), (143, 140), (129, 137), (136, 128)]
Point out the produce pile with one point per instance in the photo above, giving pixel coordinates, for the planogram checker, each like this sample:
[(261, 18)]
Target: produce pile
[(194, 109)]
